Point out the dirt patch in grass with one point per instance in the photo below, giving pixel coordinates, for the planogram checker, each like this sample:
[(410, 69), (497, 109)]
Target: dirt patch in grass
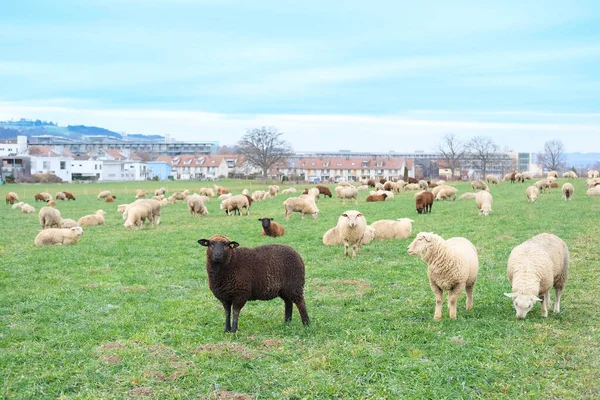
[(227, 395), (159, 349), (159, 376), (227, 348), (177, 374), (111, 359), (270, 343), (141, 392)]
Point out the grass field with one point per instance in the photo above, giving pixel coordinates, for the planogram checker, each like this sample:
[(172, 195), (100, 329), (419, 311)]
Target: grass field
[(128, 314)]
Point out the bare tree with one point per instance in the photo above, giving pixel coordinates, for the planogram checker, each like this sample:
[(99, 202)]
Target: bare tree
[(263, 147), (452, 151), (482, 150), (553, 157)]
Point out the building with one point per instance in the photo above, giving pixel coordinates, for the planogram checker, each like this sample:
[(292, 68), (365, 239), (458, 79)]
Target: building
[(128, 170), (13, 147), (17, 166), (161, 169), (198, 166), (86, 168), (52, 164)]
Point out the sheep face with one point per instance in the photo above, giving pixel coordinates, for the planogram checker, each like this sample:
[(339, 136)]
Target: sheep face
[(218, 250), (265, 222), (420, 245), (352, 219), (523, 303)]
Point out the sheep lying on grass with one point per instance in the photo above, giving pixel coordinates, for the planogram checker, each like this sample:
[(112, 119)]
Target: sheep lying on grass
[(27, 209), (92, 219), (453, 265), (237, 275), (270, 228), (67, 223), (534, 267), (390, 229), (58, 236)]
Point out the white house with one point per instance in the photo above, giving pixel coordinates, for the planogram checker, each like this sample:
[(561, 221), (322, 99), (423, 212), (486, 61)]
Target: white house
[(118, 170), (57, 165), (197, 166), (84, 167), (13, 147)]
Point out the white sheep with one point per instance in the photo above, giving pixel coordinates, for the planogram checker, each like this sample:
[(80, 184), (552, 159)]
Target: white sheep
[(468, 195), (67, 223), (570, 175), (303, 206), (225, 196), (492, 179), (412, 186), (289, 191), (484, 201), (478, 185), (207, 192), (246, 192), (552, 174), (273, 190), (437, 189), (49, 217), (568, 190), (104, 194), (592, 182), (348, 193), (27, 209), (196, 206), (526, 175), (237, 202), (61, 196), (542, 185), (140, 193), (18, 205), (92, 219), (390, 229), (453, 265), (160, 192), (58, 236), (332, 237), (47, 196), (595, 191), (351, 226), (446, 192), (423, 184), (258, 195), (137, 215), (534, 267), (532, 193)]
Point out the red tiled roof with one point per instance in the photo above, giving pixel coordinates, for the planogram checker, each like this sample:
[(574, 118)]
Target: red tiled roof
[(351, 163)]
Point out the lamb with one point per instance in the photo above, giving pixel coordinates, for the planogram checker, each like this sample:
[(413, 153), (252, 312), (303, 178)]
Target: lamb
[(447, 192), (47, 196), (137, 215), (424, 202), (478, 185), (154, 208), (532, 194), (332, 237), (303, 206), (92, 219), (160, 192), (273, 190), (570, 175), (69, 196), (196, 206), (141, 193), (348, 193), (289, 191), (237, 275), (207, 192), (437, 189), (542, 184), (534, 267), (484, 201), (110, 199), (468, 195), (270, 228), (67, 223), (58, 237), (453, 265), (18, 205), (492, 179), (104, 194), (11, 199), (61, 196), (49, 217), (390, 229), (324, 191), (378, 186), (376, 197), (595, 191), (593, 174), (51, 203), (27, 209), (592, 182), (351, 226), (237, 202), (258, 195), (526, 176), (568, 190)]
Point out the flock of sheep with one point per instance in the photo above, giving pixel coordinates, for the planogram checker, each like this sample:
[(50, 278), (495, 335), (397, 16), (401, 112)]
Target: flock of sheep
[(265, 272)]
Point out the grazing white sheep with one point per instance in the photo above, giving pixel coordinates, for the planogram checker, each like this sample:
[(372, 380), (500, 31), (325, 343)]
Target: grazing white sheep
[(225, 196), (568, 190), (446, 192), (258, 195), (301, 205), (104, 194), (49, 217), (542, 184), (348, 193), (207, 192), (140, 193), (237, 202), (492, 179), (484, 201), (534, 267), (27, 209), (351, 226), (453, 265), (137, 215), (478, 185), (532, 193), (390, 229), (552, 174), (196, 206), (160, 192), (58, 236), (61, 196), (570, 175)]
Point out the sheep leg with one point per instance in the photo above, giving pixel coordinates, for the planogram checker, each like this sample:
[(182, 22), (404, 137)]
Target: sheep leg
[(227, 308), (302, 310), (289, 306), (545, 302), (237, 307), (469, 290), (346, 246), (557, 294), (453, 300), (438, 301)]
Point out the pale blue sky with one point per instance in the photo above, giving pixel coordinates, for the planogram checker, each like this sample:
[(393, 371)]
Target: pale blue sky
[(394, 72)]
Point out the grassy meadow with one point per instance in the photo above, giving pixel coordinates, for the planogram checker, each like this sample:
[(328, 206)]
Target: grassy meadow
[(128, 314)]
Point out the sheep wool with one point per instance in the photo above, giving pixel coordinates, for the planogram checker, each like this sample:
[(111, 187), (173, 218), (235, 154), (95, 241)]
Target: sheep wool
[(534, 267), (568, 190), (58, 236), (453, 265), (351, 226), (49, 217), (532, 193), (484, 201), (390, 229)]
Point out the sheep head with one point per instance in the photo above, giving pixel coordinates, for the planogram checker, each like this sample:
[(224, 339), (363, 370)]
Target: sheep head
[(265, 222), (523, 303), (353, 217), (219, 247), (421, 244)]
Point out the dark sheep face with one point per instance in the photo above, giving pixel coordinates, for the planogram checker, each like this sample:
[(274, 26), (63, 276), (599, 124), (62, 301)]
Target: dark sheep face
[(265, 222), (218, 249)]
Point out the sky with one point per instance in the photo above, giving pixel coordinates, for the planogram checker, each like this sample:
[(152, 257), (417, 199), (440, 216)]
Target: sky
[(353, 75)]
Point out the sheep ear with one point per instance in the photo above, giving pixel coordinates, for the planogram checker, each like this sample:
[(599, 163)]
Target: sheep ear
[(535, 298), (203, 242), (359, 215), (270, 219), (345, 215), (233, 245), (511, 295), (260, 219)]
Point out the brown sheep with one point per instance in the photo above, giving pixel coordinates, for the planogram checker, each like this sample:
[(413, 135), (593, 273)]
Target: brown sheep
[(237, 275), (431, 185), (305, 191), (39, 197), (382, 181), (553, 185), (10, 199), (413, 180), (324, 191), (110, 199), (270, 228), (389, 186), (424, 202), (69, 196), (371, 182), (376, 197)]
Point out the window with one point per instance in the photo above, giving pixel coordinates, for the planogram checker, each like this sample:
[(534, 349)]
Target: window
[(63, 165), (95, 167), (46, 165)]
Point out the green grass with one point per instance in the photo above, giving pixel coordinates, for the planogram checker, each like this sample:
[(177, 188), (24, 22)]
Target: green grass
[(129, 313)]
